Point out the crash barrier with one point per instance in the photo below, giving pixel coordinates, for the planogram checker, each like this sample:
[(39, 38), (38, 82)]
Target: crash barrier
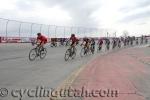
[(32, 39), (16, 40)]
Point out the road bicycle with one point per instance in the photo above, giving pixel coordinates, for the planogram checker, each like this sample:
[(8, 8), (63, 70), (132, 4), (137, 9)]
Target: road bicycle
[(85, 51), (37, 52), (70, 53)]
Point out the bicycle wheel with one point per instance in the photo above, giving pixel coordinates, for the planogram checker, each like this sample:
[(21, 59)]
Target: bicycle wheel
[(99, 49), (82, 53), (67, 55), (43, 53), (92, 49), (74, 54), (32, 54), (107, 47)]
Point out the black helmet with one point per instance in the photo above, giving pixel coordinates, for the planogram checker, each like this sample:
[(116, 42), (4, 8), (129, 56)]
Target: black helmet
[(38, 34), (72, 35)]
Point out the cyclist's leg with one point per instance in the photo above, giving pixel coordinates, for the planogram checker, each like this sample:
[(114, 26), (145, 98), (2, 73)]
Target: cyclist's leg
[(42, 45), (88, 46), (38, 49), (73, 46), (85, 48)]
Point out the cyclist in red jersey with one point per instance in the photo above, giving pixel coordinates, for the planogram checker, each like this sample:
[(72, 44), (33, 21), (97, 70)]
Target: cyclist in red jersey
[(74, 41), (42, 40), (100, 42)]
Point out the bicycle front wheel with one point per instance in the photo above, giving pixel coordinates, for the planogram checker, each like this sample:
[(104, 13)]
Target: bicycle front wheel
[(99, 49), (32, 54), (67, 55), (83, 52), (43, 53)]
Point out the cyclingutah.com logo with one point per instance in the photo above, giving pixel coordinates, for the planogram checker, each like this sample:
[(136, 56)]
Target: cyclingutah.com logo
[(43, 92), (3, 92)]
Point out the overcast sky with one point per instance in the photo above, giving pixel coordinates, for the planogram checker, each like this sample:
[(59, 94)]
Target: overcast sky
[(130, 15)]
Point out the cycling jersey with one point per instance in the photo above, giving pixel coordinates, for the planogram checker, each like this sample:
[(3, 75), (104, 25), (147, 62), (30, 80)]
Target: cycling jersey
[(93, 42), (100, 42), (107, 41), (42, 39), (86, 40), (74, 40)]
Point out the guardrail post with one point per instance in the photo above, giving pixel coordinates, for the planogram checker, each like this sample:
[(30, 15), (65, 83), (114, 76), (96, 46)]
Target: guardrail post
[(20, 30), (55, 31), (48, 31), (7, 29), (41, 28), (31, 29), (64, 32)]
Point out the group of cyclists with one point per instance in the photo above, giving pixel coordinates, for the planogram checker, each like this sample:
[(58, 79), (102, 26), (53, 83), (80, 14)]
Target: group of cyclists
[(90, 43)]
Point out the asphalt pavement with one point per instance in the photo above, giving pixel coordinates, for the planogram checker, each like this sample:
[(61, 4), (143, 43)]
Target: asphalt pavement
[(17, 72)]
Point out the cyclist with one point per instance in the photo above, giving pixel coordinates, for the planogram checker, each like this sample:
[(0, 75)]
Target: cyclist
[(74, 41), (93, 45), (33, 41), (100, 43), (128, 40), (107, 43), (142, 39), (125, 42), (114, 43), (119, 42), (137, 41), (41, 40), (131, 41), (146, 40), (86, 43), (53, 43)]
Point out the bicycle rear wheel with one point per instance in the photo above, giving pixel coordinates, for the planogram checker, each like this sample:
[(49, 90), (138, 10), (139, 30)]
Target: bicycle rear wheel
[(67, 55), (32, 54), (43, 53), (92, 49)]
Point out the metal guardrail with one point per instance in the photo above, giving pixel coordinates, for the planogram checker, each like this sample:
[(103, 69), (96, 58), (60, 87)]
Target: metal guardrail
[(15, 28)]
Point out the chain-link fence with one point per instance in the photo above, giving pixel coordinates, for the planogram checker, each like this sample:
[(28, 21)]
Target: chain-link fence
[(14, 28)]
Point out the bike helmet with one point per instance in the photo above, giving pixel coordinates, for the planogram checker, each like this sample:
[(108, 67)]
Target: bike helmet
[(72, 35), (38, 34)]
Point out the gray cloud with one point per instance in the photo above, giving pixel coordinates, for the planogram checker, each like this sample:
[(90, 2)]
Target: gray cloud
[(143, 3), (24, 6), (137, 16), (138, 4), (79, 10)]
